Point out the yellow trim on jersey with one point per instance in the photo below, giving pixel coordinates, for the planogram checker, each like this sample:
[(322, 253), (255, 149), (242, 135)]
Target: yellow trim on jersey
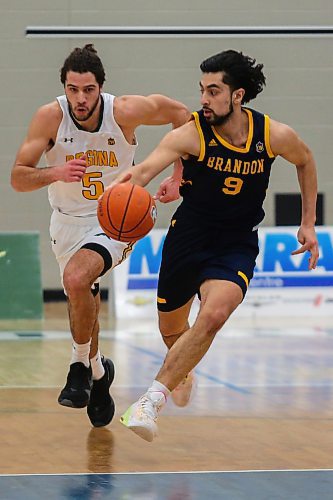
[(201, 135), (249, 137), (242, 275), (267, 143), (161, 301), (126, 251)]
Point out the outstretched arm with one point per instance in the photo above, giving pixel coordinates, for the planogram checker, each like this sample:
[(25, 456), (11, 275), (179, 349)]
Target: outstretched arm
[(156, 109), (286, 143), (178, 143)]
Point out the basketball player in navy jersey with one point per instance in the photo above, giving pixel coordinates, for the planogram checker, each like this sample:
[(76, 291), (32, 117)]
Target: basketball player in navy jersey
[(212, 243), (88, 137)]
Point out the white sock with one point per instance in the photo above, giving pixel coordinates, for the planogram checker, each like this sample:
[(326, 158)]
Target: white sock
[(158, 387), (97, 366), (80, 353)]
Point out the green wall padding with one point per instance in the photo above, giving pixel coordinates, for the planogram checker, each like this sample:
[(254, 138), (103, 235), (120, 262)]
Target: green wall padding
[(20, 276)]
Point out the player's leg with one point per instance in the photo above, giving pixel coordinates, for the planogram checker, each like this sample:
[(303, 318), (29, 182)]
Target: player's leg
[(177, 286), (101, 406), (82, 250), (224, 277), (219, 300), (177, 283), (67, 234), (80, 274), (172, 325)]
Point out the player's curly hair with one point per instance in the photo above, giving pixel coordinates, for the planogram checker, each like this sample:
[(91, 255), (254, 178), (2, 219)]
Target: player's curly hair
[(82, 61), (239, 71)]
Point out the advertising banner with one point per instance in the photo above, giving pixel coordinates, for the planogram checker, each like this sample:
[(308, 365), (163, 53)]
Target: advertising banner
[(282, 284)]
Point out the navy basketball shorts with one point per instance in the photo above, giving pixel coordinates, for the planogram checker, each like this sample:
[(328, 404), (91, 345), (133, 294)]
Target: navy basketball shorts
[(193, 253)]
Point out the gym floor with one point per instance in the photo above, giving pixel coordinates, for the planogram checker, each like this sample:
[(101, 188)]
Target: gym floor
[(259, 427)]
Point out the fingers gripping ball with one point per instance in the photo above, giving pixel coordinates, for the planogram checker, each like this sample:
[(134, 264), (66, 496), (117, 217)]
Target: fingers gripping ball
[(126, 212)]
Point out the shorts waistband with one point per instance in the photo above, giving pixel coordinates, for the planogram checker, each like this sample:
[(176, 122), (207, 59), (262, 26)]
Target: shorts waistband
[(89, 220)]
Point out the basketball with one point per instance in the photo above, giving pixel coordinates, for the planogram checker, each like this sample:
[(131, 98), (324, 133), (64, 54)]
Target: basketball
[(126, 212)]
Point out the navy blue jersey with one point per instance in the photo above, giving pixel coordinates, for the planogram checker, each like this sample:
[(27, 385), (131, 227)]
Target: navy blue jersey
[(226, 185)]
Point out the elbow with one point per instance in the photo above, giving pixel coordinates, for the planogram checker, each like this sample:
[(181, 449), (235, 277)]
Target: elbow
[(16, 185), (183, 116), (17, 188), (186, 114)]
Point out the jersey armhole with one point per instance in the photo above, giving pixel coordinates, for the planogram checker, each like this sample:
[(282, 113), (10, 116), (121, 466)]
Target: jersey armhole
[(266, 134), (201, 136)]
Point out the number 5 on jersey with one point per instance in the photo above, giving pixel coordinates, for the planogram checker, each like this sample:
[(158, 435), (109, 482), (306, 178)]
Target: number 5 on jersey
[(93, 188)]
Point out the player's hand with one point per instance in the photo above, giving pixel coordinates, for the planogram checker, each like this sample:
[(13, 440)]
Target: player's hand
[(168, 190), (307, 237), (73, 170), (119, 180)]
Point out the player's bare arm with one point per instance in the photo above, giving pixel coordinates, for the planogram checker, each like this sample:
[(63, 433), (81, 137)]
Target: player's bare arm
[(134, 110), (40, 137), (169, 188), (286, 143), (179, 143)]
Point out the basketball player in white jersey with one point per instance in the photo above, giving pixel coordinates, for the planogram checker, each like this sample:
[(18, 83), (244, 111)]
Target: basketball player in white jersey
[(88, 138)]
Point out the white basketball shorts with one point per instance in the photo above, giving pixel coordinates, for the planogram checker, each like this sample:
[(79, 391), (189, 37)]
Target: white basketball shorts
[(69, 234)]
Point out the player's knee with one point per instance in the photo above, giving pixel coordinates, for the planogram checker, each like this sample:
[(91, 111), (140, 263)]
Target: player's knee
[(212, 321), (171, 328), (75, 280)]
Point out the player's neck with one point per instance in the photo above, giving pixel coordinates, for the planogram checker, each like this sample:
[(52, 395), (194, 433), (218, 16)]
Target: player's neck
[(236, 130)]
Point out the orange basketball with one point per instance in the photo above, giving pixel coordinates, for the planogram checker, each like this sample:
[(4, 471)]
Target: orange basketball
[(126, 212)]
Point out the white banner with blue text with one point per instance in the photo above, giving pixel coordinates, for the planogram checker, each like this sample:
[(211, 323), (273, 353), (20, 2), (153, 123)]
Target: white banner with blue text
[(282, 283)]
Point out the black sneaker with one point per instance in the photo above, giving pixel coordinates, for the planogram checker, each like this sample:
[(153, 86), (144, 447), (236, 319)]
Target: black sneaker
[(101, 405), (76, 392)]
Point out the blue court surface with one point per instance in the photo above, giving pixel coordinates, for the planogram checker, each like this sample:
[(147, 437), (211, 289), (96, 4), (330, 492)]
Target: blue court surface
[(240, 485)]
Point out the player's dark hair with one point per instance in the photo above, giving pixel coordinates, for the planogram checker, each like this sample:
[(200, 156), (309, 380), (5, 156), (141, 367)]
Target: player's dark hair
[(239, 71), (83, 61)]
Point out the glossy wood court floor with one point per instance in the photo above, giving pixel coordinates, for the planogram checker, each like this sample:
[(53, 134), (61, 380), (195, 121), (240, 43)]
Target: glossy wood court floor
[(260, 425)]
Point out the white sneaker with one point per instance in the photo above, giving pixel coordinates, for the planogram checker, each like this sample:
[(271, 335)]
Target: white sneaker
[(184, 392), (141, 416)]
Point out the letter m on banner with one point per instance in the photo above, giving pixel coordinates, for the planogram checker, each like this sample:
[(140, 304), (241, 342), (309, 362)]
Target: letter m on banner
[(145, 261)]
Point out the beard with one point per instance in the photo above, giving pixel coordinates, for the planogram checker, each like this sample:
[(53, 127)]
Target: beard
[(215, 119), (84, 117)]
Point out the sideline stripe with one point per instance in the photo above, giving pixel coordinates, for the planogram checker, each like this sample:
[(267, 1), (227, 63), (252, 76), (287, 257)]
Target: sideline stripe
[(248, 471)]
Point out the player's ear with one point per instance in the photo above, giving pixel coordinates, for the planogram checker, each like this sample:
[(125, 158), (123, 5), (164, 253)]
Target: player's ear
[(237, 96)]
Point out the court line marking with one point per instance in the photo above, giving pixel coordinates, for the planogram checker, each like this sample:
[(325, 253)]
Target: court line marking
[(228, 332), (247, 471)]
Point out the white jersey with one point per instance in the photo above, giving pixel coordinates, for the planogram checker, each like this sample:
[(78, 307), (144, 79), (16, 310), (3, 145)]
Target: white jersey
[(108, 154)]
